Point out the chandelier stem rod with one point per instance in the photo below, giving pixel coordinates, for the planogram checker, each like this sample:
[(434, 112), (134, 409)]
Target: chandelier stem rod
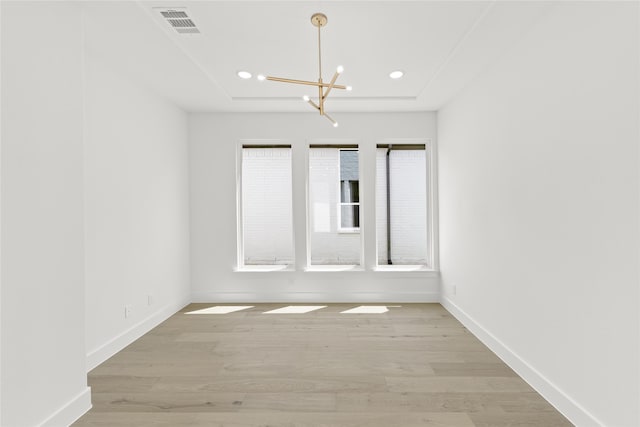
[(320, 97), (319, 56)]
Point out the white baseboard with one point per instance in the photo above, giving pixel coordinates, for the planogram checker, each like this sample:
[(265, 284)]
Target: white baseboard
[(559, 399), (317, 297), (117, 343), (71, 411)]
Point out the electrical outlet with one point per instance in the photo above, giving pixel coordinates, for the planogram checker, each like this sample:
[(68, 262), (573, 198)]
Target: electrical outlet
[(127, 311), (149, 299)]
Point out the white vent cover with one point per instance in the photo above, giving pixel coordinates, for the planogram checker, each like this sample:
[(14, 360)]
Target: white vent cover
[(179, 20)]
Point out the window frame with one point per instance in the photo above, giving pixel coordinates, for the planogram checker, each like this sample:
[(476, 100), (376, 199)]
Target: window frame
[(300, 204), (240, 259), (432, 258), (339, 227), (339, 143)]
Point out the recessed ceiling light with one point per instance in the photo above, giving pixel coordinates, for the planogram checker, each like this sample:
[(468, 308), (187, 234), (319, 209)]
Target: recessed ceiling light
[(244, 74), (396, 74)]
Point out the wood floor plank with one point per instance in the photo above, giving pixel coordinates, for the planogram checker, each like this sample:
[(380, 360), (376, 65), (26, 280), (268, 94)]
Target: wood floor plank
[(274, 383), (518, 420), (476, 369), (435, 384), (156, 369), (289, 402), (167, 402), (442, 402), (280, 419), (414, 365)]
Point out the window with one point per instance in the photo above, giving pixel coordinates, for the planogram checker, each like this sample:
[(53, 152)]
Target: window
[(331, 233), (267, 224), (401, 205), (349, 191), (334, 205)]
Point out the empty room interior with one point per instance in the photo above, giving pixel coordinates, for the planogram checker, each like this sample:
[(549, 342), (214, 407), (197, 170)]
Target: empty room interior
[(320, 213)]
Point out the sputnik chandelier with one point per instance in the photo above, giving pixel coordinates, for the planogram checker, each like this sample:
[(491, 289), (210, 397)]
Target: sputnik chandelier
[(318, 20)]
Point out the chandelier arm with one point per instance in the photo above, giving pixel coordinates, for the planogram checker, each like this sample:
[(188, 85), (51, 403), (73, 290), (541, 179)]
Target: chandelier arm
[(298, 82), (331, 84), (303, 82), (330, 119), (313, 104)]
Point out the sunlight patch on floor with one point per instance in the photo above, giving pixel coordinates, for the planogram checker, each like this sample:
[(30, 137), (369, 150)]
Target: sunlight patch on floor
[(296, 309), (221, 309)]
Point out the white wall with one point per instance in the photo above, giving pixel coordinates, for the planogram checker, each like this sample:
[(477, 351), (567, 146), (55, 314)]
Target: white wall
[(213, 141), (137, 210), (1, 137), (43, 354), (539, 209)]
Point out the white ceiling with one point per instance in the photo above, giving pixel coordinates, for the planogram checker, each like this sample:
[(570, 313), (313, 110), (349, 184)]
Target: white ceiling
[(440, 46)]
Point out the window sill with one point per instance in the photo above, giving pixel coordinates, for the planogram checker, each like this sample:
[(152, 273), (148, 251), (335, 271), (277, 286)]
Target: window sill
[(348, 231), (264, 268), (333, 268), (404, 268), (337, 268)]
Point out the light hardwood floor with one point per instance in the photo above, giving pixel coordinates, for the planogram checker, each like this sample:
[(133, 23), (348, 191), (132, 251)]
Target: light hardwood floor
[(413, 366)]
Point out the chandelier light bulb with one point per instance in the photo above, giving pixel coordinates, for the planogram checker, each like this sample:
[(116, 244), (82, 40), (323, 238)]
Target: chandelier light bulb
[(349, 88), (335, 125), (261, 77), (244, 75), (340, 69), (305, 98)]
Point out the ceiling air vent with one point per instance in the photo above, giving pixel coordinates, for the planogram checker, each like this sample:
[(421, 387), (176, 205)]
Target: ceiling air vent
[(179, 20)]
